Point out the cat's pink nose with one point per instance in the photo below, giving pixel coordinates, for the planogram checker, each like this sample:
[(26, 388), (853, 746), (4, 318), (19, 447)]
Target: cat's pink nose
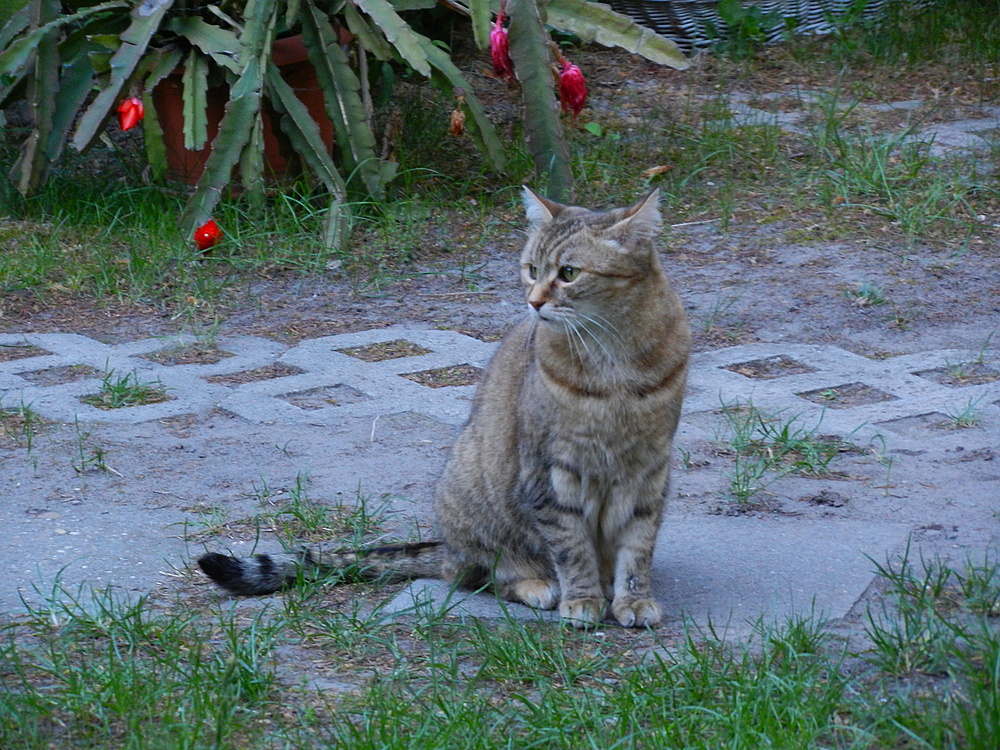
[(536, 303)]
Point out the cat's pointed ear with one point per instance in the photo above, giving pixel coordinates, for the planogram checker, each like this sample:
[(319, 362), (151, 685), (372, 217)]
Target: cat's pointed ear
[(642, 221), (539, 210)]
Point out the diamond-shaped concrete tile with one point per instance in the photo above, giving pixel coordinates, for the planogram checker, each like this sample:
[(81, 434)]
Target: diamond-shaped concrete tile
[(326, 365), (714, 383), (259, 381)]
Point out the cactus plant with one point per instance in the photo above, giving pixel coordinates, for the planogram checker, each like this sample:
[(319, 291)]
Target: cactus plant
[(76, 69)]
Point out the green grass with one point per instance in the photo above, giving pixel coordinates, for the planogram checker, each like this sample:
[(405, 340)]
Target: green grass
[(966, 416), (868, 294), (93, 669), (21, 424), (293, 517), (951, 31), (768, 446), (892, 175), (120, 391)]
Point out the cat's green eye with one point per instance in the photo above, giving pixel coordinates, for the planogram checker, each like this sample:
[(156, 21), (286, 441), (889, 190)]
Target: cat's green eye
[(532, 272), (568, 273)]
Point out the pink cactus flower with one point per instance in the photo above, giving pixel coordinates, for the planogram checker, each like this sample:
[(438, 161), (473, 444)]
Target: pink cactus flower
[(572, 88), (503, 66)]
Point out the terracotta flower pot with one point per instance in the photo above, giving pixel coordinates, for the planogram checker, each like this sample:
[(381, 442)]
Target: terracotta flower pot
[(185, 165)]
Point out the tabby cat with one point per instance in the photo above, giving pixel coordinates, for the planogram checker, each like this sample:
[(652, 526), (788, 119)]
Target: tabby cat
[(554, 490)]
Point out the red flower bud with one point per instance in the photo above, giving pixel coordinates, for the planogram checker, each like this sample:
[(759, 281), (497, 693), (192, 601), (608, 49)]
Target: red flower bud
[(572, 88), (207, 235), (130, 112), (503, 66)]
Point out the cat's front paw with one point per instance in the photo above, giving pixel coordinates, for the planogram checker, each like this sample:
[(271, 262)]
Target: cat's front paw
[(535, 592), (637, 613), (582, 613)]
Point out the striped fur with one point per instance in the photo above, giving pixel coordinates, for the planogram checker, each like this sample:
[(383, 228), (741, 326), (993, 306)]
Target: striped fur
[(265, 574), (555, 488)]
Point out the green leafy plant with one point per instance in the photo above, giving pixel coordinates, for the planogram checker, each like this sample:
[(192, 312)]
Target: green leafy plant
[(907, 631), (766, 447), (532, 54), (54, 61), (89, 457), (123, 51)]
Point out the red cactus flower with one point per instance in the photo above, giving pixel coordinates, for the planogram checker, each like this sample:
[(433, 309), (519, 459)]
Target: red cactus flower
[(572, 88), (503, 66), (207, 235), (130, 112)]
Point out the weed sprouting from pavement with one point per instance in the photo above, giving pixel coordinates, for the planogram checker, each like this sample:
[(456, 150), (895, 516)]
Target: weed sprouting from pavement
[(981, 356), (89, 456), (966, 416), (120, 391), (868, 294), (293, 516), (21, 423), (767, 446)]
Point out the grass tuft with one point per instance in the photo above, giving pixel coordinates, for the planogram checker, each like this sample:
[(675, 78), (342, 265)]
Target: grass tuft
[(121, 391)]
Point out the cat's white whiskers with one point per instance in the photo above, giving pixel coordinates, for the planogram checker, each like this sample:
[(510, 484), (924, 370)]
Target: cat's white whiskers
[(612, 343), (609, 354), (605, 325), (574, 337)]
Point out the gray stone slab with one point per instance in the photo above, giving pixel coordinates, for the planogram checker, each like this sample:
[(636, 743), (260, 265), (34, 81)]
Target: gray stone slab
[(713, 385), (731, 572), (381, 389)]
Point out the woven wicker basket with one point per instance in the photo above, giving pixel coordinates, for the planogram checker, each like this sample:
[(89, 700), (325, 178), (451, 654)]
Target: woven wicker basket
[(687, 22)]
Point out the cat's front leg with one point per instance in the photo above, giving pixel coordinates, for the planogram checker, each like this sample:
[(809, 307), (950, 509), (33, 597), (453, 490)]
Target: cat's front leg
[(632, 604), (563, 521)]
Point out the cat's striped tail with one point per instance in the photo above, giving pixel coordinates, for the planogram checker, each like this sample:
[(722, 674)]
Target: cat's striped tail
[(265, 574)]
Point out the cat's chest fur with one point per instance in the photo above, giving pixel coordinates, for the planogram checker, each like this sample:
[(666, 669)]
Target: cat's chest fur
[(595, 426)]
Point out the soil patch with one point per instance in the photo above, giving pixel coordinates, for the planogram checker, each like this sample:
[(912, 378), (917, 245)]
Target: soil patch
[(444, 377), (847, 395), (384, 351), (268, 372), (777, 366), (957, 376), (11, 352), (192, 354), (60, 375)]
